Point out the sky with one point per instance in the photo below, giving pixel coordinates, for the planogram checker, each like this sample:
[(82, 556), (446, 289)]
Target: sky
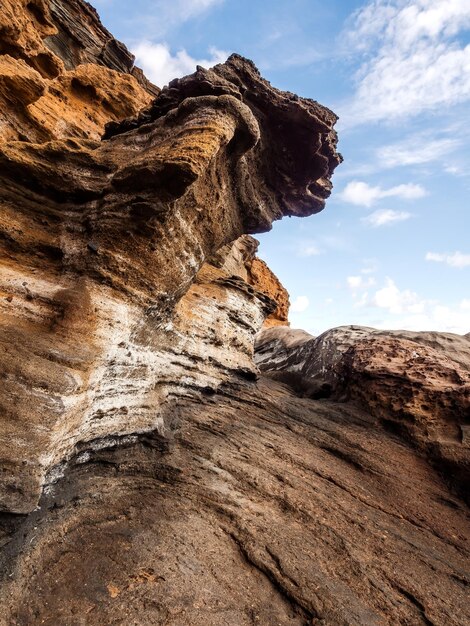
[(392, 247)]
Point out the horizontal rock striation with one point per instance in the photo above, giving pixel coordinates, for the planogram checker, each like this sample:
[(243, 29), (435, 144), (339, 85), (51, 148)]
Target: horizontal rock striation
[(105, 315), (268, 508), (148, 473), (241, 260)]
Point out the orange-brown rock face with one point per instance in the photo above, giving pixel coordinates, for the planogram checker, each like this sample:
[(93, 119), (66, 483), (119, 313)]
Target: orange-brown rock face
[(148, 474), (241, 261), (62, 74), (265, 281), (103, 239)]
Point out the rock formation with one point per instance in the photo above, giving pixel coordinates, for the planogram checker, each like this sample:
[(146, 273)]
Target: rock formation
[(104, 241), (242, 261), (416, 384), (62, 74), (148, 475)]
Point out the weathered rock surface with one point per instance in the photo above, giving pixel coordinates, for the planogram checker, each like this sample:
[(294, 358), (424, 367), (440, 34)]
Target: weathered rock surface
[(103, 314), (417, 384), (241, 261), (62, 74), (266, 509), (264, 280), (147, 475)]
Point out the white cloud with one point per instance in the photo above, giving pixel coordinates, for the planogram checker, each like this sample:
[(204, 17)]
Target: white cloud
[(354, 281), (456, 259), (300, 304), (413, 58), (362, 194), (161, 66), (395, 300), (382, 217), (359, 282), (407, 310), (190, 8), (415, 151), (359, 286), (453, 169), (436, 317)]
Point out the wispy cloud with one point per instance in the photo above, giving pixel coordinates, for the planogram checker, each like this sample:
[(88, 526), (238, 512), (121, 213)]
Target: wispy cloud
[(384, 217), (362, 194), (321, 245), (286, 59), (359, 286), (359, 282), (413, 58), (309, 249), (165, 15), (455, 259), (161, 66), (370, 266), (415, 151)]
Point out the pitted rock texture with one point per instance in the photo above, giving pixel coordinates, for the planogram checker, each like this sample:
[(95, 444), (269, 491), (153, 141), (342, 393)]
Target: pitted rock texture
[(147, 474), (417, 384), (104, 320), (267, 282), (62, 74), (294, 155), (266, 509)]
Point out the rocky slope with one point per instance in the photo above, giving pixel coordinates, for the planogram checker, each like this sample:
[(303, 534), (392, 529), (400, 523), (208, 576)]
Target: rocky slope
[(148, 475), (267, 509), (416, 384)]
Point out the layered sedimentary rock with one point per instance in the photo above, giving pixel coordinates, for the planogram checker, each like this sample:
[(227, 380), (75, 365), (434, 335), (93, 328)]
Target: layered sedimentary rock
[(240, 259), (148, 475), (267, 508), (417, 384), (104, 318), (264, 279)]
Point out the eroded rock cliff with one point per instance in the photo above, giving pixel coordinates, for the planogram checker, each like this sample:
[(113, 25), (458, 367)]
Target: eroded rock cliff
[(148, 475), (103, 314), (62, 74)]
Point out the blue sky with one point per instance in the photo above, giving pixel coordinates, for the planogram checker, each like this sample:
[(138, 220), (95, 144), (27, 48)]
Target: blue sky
[(392, 247)]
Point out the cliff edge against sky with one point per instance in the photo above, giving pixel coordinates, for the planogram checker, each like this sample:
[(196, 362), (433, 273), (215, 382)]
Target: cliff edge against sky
[(148, 474)]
